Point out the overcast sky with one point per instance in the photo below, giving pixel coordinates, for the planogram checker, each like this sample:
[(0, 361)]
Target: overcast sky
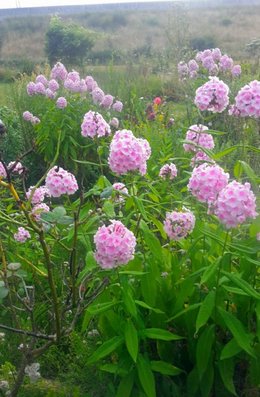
[(40, 3)]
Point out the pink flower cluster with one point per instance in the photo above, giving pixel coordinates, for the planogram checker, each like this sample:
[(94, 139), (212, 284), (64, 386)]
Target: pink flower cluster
[(39, 209), (120, 187), (212, 60), (200, 157), (212, 96), (22, 235), (178, 225), (168, 171), (59, 181), (61, 102), (247, 101), (115, 245), (74, 83), (27, 116), (59, 72), (94, 125), (235, 203), (128, 153), (195, 134), (2, 171), (38, 195), (16, 167), (207, 181)]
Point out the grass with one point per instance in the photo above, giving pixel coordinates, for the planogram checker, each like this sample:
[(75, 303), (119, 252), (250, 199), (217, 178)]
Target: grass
[(5, 94)]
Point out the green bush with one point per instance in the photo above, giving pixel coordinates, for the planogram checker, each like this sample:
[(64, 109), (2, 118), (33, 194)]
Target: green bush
[(67, 42), (202, 43)]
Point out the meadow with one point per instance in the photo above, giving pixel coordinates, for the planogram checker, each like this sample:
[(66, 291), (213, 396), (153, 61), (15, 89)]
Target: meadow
[(129, 209)]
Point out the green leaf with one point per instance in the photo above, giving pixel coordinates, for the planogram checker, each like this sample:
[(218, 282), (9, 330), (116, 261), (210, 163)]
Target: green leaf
[(165, 368), (239, 282), (65, 220), (105, 349), (131, 340), (146, 376), (140, 206), (107, 192), (225, 152), (226, 369), (129, 302), (209, 272), (237, 329), (113, 369), (231, 349), (204, 349), (3, 292), (152, 242), (144, 305), (186, 310), (59, 212), (160, 334), (205, 310), (101, 307), (108, 209), (125, 386)]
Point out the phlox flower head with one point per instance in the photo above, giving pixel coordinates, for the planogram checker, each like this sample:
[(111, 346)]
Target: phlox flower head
[(193, 66), (225, 63), (216, 54), (197, 135), (236, 71), (207, 181), (38, 195), (27, 116), (22, 235), (128, 153), (59, 72), (247, 101), (235, 203), (115, 245), (120, 187), (2, 171), (118, 106), (50, 94), (41, 79), (39, 209), (168, 171), (212, 96), (59, 181), (53, 85), (97, 95), (178, 224), (94, 125), (183, 70), (199, 158), (258, 236), (91, 84), (31, 90), (16, 167), (61, 102), (40, 88), (107, 101), (114, 122)]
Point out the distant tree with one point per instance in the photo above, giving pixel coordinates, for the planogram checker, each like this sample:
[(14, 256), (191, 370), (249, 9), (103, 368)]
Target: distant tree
[(67, 42)]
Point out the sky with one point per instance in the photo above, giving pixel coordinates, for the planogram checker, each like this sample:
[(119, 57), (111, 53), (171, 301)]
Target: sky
[(40, 3)]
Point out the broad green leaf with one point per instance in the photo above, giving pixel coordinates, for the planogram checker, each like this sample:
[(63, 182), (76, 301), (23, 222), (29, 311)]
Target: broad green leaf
[(131, 340), (237, 329), (146, 376), (239, 282), (108, 209), (107, 192), (144, 305), (59, 212), (205, 310), (105, 349), (140, 207), (225, 152), (234, 290), (186, 310), (113, 369), (101, 307), (226, 369), (152, 242), (125, 386), (129, 302), (209, 272), (160, 334), (231, 349), (165, 368), (3, 292), (204, 349)]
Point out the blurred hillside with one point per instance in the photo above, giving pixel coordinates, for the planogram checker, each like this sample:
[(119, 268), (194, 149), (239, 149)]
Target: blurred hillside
[(135, 30)]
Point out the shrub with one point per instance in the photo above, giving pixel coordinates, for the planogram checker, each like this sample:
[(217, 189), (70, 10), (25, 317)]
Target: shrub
[(67, 42), (202, 43)]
